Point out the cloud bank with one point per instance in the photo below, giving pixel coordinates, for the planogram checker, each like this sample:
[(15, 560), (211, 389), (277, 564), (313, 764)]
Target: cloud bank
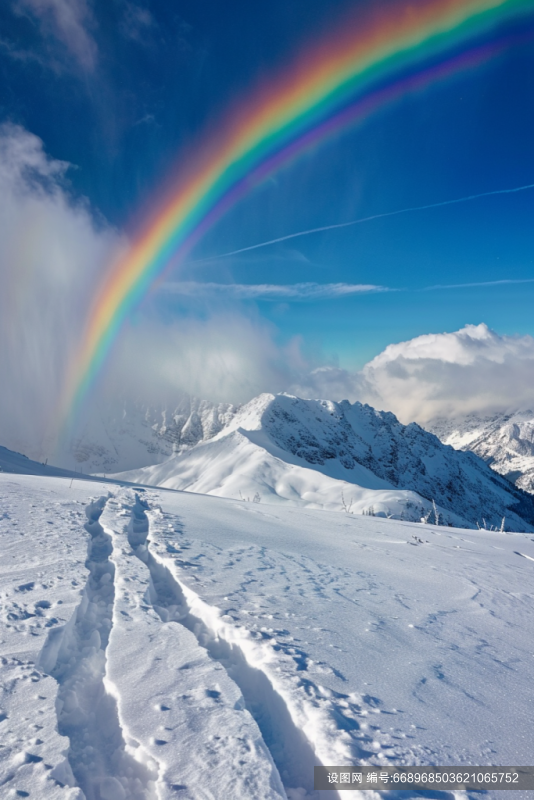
[(438, 375)]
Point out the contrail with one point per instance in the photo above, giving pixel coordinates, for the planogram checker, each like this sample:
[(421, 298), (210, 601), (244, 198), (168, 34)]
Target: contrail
[(368, 219), (473, 285)]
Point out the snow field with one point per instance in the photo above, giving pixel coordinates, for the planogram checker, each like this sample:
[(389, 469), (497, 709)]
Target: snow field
[(43, 550), (199, 647)]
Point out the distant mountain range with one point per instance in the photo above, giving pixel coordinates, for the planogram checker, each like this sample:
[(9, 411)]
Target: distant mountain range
[(137, 435), (279, 448), (505, 441)]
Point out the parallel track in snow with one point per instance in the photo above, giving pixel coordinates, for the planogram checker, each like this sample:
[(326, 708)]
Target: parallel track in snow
[(290, 750), (87, 714)]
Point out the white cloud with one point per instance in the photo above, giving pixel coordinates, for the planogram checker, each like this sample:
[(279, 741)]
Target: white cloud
[(450, 374), (269, 291), (444, 374), (69, 21)]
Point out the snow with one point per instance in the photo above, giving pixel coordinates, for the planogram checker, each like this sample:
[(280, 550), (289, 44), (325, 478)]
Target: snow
[(161, 644), (320, 454), (11, 461)]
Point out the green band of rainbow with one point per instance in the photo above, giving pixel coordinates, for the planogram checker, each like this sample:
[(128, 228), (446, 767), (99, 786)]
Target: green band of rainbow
[(373, 58)]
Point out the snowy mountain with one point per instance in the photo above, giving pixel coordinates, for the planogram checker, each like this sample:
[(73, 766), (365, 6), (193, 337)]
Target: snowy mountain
[(171, 645), (333, 455), (505, 441)]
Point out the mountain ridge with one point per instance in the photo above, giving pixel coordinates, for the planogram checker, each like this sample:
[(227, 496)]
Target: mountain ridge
[(354, 445)]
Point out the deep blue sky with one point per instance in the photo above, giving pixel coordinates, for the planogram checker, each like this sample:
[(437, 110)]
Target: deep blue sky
[(121, 87)]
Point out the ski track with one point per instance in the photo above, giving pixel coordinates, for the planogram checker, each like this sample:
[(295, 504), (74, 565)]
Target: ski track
[(191, 707), (282, 742), (86, 712)]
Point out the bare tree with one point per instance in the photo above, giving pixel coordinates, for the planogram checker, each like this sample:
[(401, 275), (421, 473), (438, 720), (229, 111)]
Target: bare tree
[(346, 508)]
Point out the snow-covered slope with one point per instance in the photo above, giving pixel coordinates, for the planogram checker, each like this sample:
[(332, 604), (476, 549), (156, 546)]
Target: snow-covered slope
[(20, 464), (312, 452), (505, 441), (175, 645), (234, 466)]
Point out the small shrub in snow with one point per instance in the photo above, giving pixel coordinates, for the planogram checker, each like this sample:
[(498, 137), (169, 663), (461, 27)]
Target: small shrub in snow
[(369, 512), (426, 517)]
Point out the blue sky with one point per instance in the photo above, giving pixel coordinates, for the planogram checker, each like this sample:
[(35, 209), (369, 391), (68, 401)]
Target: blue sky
[(117, 88)]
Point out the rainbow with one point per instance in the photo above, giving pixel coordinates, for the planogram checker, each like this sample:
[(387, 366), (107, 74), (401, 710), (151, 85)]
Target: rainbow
[(367, 61)]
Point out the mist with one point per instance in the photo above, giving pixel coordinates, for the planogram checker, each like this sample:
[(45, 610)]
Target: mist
[(52, 253), (228, 357), (54, 250)]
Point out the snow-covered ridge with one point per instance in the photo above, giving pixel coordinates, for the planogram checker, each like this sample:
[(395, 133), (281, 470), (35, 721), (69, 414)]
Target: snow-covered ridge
[(325, 454), (505, 441)]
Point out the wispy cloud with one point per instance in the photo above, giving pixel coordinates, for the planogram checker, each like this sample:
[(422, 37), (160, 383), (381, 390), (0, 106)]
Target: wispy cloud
[(136, 22), (21, 54), (270, 291), (69, 21), (147, 119)]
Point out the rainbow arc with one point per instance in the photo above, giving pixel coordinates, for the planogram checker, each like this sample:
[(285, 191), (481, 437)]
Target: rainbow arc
[(366, 62)]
